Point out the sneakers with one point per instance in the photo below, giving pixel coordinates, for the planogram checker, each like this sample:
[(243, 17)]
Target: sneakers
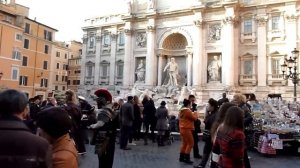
[(132, 144), (81, 153)]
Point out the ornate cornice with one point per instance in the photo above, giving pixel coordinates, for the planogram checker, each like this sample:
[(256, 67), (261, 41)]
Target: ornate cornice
[(261, 20)]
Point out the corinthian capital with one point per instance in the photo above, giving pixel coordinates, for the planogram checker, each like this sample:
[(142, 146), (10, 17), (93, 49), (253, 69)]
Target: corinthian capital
[(150, 28), (198, 22), (291, 17), (229, 20), (261, 20), (127, 31)]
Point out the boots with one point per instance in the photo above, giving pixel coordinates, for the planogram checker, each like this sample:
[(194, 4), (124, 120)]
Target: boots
[(160, 140), (181, 157), (203, 162), (187, 159)]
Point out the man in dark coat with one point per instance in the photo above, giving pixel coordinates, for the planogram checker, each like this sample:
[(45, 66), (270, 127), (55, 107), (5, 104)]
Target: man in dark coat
[(126, 122), (224, 99), (19, 147)]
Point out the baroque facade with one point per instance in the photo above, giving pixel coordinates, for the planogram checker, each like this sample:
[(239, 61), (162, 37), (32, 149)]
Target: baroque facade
[(218, 46)]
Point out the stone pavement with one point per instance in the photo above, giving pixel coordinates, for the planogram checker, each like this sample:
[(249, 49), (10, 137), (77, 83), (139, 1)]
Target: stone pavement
[(151, 156)]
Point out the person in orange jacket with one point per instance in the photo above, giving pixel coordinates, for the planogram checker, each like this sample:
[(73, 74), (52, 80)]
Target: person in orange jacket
[(186, 124)]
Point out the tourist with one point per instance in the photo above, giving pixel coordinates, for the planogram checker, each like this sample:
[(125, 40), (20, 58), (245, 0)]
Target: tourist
[(186, 124), (240, 101), (19, 148), (126, 122), (51, 103), (105, 130), (137, 122), (149, 119), (197, 129), (34, 110), (54, 124), (224, 99), (162, 116), (75, 113), (229, 143), (219, 119), (210, 117)]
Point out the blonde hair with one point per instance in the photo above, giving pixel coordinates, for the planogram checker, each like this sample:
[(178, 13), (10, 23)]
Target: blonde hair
[(71, 97)]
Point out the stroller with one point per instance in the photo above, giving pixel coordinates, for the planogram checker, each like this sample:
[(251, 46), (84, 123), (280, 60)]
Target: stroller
[(168, 138)]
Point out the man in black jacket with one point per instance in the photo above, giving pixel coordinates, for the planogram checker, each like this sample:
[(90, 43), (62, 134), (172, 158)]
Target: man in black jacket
[(19, 147)]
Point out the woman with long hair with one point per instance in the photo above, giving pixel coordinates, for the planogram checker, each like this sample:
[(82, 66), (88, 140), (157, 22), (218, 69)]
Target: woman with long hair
[(230, 139), (212, 110), (186, 124)]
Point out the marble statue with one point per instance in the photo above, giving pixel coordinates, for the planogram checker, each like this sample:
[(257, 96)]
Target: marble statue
[(140, 71), (214, 69), (129, 7), (151, 4), (172, 68)]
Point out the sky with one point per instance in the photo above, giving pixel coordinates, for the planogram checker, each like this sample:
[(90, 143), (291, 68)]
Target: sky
[(67, 16)]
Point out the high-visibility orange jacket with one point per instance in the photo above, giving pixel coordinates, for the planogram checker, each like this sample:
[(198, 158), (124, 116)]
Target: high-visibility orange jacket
[(187, 118)]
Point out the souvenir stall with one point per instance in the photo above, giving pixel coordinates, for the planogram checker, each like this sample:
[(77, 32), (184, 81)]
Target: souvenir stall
[(276, 127)]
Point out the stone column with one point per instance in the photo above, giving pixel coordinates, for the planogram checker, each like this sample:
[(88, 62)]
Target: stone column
[(160, 69), (228, 48), (97, 57), (128, 54), (262, 49), (151, 59), (291, 26), (198, 65), (112, 67), (83, 60), (189, 64)]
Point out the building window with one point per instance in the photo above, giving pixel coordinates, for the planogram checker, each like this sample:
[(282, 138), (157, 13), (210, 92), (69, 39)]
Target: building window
[(104, 70), (18, 37), (56, 77), (275, 22), (47, 35), (120, 70), (62, 78), (68, 82), (15, 73), (63, 88), (275, 64), (45, 66), (89, 71), (24, 61), (66, 78), (16, 54), (121, 39), (57, 65), (92, 41), (23, 80), (106, 39), (57, 54), (56, 87), (26, 43), (44, 83), (46, 49), (27, 28), (78, 82), (66, 56), (248, 26)]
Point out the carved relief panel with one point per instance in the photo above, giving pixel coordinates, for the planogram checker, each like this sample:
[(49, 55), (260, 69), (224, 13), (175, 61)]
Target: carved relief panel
[(141, 40), (214, 33)]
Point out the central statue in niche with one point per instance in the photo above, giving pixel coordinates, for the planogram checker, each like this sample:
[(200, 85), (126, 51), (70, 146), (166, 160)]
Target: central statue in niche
[(172, 68)]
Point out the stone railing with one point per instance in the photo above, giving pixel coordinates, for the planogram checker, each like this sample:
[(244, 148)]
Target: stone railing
[(246, 80)]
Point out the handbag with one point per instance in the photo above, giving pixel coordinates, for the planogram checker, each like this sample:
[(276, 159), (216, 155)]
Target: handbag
[(206, 136)]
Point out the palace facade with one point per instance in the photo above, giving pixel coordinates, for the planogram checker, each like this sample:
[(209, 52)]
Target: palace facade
[(219, 46)]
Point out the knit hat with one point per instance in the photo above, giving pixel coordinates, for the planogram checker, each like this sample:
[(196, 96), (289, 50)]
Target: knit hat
[(55, 121)]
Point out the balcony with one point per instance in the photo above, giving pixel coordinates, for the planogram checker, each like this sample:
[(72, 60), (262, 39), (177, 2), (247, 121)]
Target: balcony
[(248, 80), (276, 80), (248, 36), (89, 80), (104, 80), (118, 80)]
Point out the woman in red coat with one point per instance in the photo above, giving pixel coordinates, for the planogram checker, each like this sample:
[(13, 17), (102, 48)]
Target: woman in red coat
[(230, 139)]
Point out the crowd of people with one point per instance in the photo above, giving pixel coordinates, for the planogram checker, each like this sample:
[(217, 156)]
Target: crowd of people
[(55, 135)]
